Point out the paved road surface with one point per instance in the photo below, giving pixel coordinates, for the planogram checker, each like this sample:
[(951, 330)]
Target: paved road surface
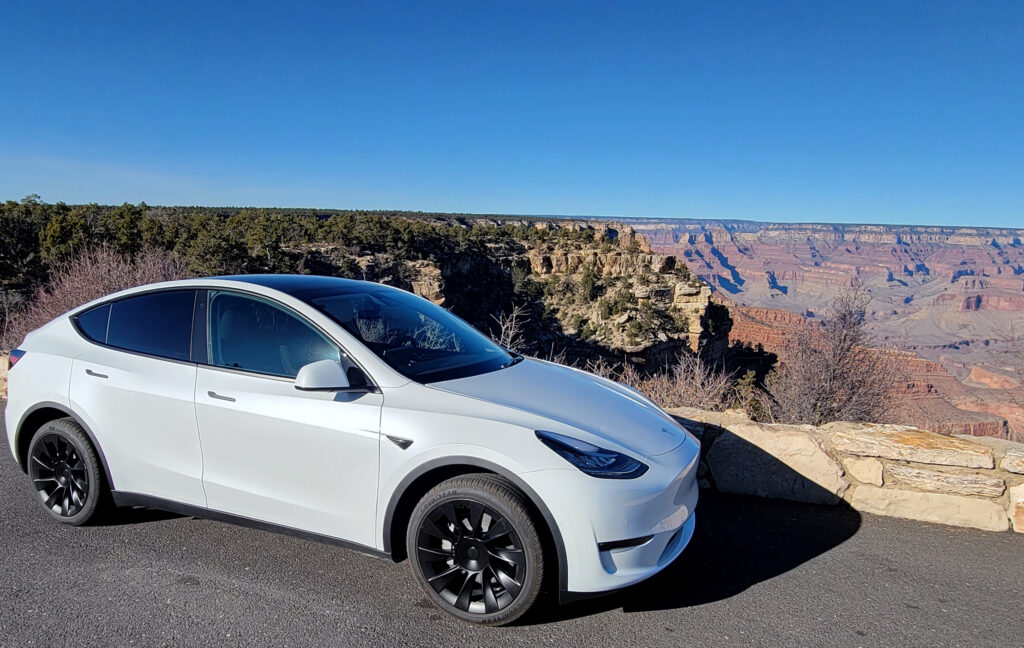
[(758, 573)]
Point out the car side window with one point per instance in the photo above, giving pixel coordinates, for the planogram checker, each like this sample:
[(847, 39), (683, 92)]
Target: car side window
[(93, 323), (254, 335), (157, 324)]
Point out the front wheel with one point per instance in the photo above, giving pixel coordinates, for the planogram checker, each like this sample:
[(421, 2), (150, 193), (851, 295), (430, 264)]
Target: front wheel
[(474, 548), (65, 472)]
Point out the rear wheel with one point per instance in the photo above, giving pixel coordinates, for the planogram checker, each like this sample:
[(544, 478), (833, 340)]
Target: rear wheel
[(474, 548), (65, 472)]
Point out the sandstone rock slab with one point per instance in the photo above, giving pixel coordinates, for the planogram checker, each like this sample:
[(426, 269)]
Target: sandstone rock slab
[(940, 508), (1017, 508), (906, 443), (864, 469), (1013, 461), (940, 482), (427, 281), (783, 462)]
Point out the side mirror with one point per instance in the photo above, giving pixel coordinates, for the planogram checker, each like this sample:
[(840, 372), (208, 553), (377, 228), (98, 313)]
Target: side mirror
[(324, 375)]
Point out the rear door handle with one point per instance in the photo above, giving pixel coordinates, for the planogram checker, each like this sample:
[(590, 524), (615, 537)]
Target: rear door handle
[(213, 394), (90, 372)]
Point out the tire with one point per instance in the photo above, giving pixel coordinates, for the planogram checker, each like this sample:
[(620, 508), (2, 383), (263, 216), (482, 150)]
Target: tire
[(65, 472), (475, 549)]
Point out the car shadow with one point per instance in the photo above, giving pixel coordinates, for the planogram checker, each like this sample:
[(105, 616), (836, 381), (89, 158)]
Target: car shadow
[(739, 540)]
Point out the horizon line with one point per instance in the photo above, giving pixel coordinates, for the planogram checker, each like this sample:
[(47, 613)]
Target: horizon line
[(566, 217)]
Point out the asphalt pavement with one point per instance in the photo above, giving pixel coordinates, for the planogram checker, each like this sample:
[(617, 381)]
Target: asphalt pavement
[(758, 573)]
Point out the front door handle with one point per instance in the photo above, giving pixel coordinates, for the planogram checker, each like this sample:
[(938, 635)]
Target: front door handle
[(213, 394), (90, 372)]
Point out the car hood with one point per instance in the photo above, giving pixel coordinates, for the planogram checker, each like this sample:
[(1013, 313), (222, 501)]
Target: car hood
[(605, 409)]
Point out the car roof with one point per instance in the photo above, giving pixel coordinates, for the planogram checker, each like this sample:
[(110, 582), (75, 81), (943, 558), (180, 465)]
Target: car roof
[(304, 286)]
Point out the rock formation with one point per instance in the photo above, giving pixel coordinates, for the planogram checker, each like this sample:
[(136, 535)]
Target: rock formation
[(953, 297)]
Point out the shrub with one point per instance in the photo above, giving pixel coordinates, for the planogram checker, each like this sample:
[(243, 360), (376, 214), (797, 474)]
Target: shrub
[(832, 373), (748, 396), (89, 275), (680, 321), (588, 283), (66, 234), (691, 383)]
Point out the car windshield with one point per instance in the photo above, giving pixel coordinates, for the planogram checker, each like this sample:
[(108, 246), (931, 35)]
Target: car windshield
[(418, 339)]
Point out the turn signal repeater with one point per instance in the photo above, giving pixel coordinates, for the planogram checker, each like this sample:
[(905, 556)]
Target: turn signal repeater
[(594, 461)]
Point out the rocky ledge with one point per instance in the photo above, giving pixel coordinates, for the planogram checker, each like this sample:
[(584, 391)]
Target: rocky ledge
[(892, 470)]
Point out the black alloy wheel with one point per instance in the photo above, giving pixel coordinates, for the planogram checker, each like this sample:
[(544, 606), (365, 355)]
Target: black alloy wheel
[(471, 556), (59, 475), (476, 550), (65, 471)]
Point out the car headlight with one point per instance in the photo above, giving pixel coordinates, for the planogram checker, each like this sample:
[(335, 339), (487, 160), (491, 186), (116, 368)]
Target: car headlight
[(595, 461)]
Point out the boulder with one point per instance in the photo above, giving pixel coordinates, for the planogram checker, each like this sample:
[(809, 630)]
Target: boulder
[(779, 461), (906, 443), (939, 508), (864, 469), (941, 482), (685, 290), (1013, 461), (1017, 507)]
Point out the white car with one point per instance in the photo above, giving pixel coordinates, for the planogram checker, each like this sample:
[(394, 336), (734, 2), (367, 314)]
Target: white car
[(361, 415)]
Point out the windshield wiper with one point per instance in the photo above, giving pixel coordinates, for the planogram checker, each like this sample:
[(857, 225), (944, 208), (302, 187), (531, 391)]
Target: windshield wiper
[(516, 359)]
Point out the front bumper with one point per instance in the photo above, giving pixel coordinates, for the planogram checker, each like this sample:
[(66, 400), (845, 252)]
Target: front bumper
[(591, 511)]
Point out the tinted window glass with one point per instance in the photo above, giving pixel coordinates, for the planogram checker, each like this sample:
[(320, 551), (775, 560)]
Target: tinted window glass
[(93, 323), (158, 324), (251, 334)]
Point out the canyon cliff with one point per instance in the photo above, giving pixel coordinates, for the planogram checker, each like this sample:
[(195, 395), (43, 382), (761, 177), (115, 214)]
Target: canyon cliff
[(951, 298)]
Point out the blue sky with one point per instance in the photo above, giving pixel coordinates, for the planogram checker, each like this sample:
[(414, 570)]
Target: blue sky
[(896, 112)]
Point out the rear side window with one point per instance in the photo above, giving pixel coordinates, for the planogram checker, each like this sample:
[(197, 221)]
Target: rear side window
[(156, 324), (93, 323), (251, 334)]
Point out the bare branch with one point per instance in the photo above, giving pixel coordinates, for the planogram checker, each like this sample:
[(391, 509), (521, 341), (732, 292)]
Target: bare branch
[(691, 383), (832, 372), (509, 333)]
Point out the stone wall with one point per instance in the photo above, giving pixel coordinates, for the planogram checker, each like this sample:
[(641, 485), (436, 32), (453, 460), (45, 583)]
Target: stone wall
[(892, 470)]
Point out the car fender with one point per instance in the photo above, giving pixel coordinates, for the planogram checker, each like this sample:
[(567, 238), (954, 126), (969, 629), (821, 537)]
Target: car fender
[(69, 413), (490, 466)]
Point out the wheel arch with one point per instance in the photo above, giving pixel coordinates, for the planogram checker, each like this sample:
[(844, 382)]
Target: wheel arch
[(39, 415), (416, 484)]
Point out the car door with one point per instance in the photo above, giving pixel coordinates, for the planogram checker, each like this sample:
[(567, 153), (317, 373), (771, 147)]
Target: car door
[(135, 388), (304, 460)]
